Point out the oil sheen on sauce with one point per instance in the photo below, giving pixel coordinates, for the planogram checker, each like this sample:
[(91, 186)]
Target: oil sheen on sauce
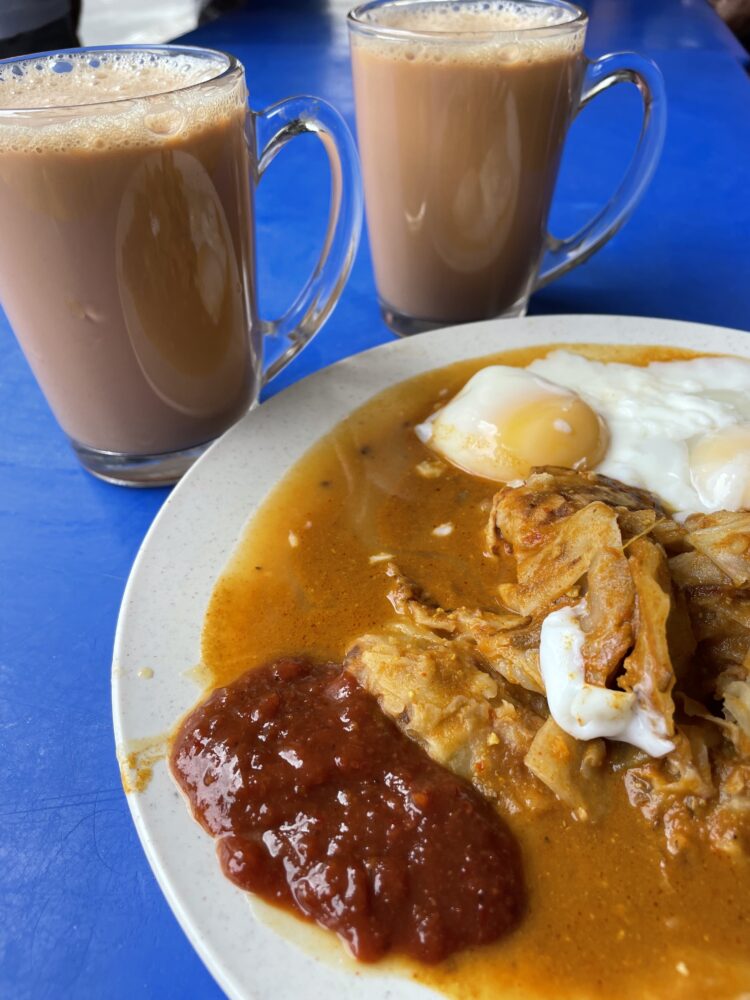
[(608, 914)]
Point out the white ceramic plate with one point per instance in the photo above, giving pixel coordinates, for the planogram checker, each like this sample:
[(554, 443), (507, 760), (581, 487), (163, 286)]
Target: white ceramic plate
[(168, 591)]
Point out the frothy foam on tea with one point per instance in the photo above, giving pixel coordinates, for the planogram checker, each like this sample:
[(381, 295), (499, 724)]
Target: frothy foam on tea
[(82, 78), (482, 24), (163, 105)]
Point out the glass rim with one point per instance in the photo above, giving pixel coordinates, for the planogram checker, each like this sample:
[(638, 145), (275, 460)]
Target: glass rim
[(230, 66), (357, 23)]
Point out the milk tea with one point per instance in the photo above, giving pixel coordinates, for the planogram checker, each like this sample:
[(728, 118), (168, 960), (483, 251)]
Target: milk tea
[(461, 131), (126, 265)]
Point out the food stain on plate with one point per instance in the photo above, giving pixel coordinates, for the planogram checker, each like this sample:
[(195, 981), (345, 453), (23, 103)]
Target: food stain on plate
[(137, 759)]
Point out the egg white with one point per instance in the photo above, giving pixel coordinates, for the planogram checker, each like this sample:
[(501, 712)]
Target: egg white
[(677, 428)]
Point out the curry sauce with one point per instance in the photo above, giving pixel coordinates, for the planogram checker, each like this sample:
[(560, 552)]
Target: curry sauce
[(609, 912)]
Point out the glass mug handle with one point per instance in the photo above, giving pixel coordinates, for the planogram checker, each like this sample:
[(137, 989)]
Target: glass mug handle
[(620, 67), (275, 127)]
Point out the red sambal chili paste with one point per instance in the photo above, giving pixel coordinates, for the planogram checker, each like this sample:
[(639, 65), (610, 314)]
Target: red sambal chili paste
[(321, 805)]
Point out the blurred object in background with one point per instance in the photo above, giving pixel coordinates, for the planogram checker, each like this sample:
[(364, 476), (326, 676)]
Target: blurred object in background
[(37, 26), (736, 13), (141, 22), (136, 22), (211, 9)]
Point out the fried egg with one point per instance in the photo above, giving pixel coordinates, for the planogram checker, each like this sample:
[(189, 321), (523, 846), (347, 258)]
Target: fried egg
[(680, 429), (506, 420)]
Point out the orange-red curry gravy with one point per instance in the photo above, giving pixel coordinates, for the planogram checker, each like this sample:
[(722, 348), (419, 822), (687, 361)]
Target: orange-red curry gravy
[(609, 913)]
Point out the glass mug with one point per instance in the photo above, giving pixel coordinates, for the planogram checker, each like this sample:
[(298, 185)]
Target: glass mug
[(462, 111), (127, 264)]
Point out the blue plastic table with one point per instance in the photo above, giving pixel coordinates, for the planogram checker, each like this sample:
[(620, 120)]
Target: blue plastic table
[(80, 913)]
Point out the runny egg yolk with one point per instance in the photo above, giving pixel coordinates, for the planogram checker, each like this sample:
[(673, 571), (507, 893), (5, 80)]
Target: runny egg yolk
[(507, 420), (553, 430)]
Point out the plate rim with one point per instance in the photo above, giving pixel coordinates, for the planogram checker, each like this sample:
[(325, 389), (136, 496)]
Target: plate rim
[(526, 331)]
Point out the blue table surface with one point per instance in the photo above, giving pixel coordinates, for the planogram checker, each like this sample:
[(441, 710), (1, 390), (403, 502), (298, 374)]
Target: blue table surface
[(80, 912)]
